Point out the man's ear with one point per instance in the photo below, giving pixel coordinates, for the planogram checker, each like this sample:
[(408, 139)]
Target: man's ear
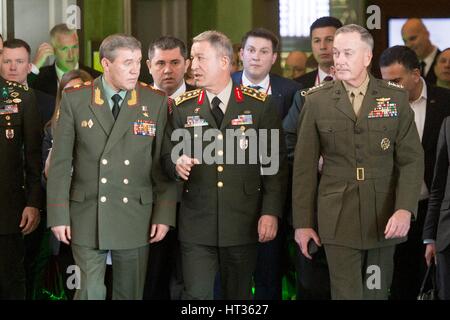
[(187, 63), (274, 58)]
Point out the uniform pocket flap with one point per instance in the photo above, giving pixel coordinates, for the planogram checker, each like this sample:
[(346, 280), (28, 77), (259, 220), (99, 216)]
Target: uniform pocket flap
[(331, 126), (77, 195), (146, 197)]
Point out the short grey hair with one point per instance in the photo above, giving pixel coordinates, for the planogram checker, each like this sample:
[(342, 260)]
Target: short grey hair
[(218, 40), (366, 37), (117, 41)]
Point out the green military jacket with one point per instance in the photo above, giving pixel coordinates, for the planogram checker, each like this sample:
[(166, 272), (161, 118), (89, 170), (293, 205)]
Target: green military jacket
[(20, 152), (223, 201), (372, 165), (105, 178)]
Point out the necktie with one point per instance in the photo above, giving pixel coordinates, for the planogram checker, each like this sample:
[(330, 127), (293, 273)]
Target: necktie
[(256, 87), (216, 111), (422, 68), (328, 78), (116, 108)]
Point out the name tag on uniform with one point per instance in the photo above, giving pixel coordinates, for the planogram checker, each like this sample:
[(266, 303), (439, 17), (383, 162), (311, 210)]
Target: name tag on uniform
[(144, 128), (242, 119), (384, 109), (195, 121), (9, 109)]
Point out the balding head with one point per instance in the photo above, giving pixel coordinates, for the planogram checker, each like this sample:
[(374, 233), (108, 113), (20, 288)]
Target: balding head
[(295, 64), (416, 36)]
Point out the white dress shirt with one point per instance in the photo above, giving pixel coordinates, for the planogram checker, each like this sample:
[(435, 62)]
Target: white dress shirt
[(265, 84)]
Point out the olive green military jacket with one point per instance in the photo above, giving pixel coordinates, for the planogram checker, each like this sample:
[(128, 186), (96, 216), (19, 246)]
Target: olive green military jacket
[(117, 187), (20, 152), (372, 165), (222, 201)]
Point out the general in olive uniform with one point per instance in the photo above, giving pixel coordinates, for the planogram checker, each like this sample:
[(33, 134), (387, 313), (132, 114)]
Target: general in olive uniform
[(225, 202), (105, 179), (372, 169), (20, 195)]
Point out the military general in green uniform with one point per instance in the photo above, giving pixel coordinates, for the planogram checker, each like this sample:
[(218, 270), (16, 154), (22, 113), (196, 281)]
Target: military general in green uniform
[(106, 189), (364, 130), (228, 203)]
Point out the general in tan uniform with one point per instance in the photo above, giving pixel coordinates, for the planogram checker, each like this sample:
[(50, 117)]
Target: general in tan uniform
[(371, 175), (116, 197)]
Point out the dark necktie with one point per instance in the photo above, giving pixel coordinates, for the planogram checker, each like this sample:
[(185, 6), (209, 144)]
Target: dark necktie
[(256, 87), (216, 111), (328, 78), (116, 108), (422, 68)]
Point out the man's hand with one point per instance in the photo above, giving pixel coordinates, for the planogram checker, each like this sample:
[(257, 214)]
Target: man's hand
[(267, 228), (302, 237), (184, 165), (398, 224), (158, 232), (62, 233), (30, 220), (44, 51), (430, 253)]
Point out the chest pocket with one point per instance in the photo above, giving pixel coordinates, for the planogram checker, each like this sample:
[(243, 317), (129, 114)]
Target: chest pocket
[(382, 134), (333, 135)]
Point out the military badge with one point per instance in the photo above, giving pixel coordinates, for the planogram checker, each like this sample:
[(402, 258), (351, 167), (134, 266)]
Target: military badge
[(17, 100), (385, 144), (238, 95), (145, 114), (133, 100), (195, 121), (14, 94), (9, 134), (9, 109), (144, 109), (197, 110), (98, 97), (4, 93), (247, 112), (243, 143), (242, 119), (384, 109), (144, 128), (84, 124), (90, 123)]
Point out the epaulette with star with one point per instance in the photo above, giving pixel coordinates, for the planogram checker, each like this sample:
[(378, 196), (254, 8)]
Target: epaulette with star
[(187, 96), (261, 96), (13, 84), (87, 84), (152, 88), (316, 88), (393, 84)]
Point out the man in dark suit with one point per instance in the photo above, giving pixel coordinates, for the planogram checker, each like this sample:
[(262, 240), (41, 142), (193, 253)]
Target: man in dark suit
[(258, 54), (65, 47), (313, 281), (228, 205), (20, 194), (417, 37), (430, 105), (436, 232), (167, 63)]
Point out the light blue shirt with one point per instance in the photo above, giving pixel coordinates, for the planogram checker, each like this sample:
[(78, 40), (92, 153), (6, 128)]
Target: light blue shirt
[(109, 92)]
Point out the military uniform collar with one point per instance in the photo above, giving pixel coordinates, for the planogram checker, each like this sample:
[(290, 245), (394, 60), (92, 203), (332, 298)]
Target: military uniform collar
[(362, 89), (224, 95), (109, 92)]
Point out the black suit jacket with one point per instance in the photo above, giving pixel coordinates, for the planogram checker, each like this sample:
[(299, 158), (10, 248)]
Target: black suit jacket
[(283, 91), (437, 220), (46, 80), (438, 108), (431, 76), (45, 104), (307, 80)]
